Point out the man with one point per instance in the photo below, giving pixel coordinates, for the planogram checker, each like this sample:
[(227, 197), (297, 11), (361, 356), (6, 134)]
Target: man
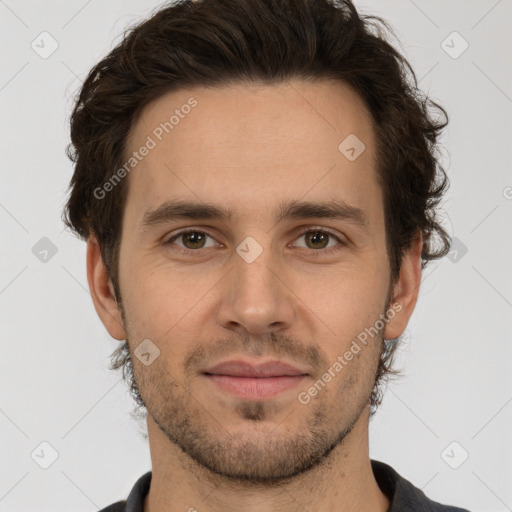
[(257, 185)]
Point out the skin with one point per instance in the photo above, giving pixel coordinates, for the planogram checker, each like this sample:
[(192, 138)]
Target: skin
[(248, 147)]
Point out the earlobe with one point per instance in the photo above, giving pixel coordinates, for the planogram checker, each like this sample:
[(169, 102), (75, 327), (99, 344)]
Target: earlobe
[(102, 291), (405, 290)]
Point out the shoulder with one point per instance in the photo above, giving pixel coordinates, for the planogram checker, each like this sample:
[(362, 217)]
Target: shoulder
[(115, 507), (135, 501), (403, 495)]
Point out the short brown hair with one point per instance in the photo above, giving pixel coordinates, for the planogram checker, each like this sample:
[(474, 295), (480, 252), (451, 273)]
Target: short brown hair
[(220, 42)]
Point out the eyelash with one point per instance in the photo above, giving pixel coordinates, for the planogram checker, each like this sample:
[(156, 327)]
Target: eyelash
[(315, 252)]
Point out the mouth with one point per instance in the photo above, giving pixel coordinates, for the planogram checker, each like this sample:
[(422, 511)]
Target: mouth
[(255, 382)]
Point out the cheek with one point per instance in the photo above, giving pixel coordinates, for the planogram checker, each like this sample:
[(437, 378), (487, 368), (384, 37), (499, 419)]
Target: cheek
[(345, 300), (163, 302)]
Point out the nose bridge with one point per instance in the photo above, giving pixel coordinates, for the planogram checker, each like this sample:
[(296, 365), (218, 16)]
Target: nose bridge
[(257, 298), (256, 269)]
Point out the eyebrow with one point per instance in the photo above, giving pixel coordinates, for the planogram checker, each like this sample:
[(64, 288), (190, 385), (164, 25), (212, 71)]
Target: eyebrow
[(292, 209)]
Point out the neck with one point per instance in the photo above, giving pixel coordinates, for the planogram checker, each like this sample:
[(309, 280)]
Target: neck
[(343, 482)]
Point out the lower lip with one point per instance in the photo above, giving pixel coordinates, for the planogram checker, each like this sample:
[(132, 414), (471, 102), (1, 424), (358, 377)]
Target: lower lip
[(251, 388)]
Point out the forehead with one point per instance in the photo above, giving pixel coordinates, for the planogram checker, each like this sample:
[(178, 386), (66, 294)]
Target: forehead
[(250, 144)]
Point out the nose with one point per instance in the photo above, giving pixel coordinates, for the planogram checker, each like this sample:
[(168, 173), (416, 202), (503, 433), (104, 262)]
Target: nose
[(255, 297)]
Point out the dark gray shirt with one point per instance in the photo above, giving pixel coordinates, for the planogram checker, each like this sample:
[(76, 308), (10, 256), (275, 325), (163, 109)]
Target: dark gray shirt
[(404, 497)]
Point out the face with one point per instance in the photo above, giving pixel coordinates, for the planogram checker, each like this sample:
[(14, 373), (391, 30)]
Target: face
[(255, 286)]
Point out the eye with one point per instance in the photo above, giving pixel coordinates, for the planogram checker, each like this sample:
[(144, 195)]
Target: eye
[(193, 239), (318, 239)]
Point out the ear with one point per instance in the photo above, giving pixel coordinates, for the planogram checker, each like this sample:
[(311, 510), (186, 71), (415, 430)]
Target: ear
[(405, 290), (102, 291)]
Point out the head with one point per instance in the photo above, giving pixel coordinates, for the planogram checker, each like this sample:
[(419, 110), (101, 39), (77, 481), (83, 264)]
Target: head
[(246, 105)]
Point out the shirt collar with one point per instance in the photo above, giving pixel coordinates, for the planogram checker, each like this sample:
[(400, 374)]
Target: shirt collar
[(403, 495)]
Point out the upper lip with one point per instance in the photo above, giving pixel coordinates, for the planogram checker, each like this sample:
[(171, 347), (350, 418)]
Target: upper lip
[(240, 368)]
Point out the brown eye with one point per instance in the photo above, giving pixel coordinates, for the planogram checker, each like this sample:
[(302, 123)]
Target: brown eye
[(318, 239), (194, 238), (191, 240)]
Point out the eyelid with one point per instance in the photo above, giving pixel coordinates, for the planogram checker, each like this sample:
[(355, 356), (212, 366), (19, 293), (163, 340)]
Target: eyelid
[(340, 237)]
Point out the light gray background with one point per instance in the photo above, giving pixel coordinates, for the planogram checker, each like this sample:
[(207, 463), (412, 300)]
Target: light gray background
[(55, 384)]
